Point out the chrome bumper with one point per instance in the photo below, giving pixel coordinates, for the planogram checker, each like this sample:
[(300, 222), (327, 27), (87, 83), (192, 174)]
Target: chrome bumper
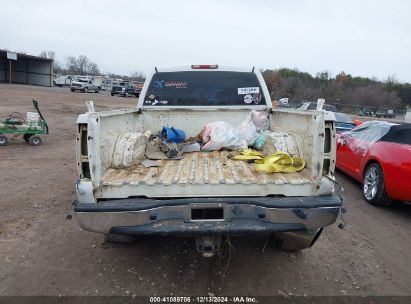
[(239, 215)]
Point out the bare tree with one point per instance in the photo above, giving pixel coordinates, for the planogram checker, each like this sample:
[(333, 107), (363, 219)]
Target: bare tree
[(81, 66), (48, 54), (138, 76), (52, 55), (71, 65), (93, 69)]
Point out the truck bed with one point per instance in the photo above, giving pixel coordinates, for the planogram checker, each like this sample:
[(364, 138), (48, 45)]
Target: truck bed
[(201, 169)]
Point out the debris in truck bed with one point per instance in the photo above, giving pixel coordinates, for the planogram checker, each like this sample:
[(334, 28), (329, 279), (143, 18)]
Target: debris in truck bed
[(129, 149), (154, 152), (172, 135), (220, 134), (280, 141), (189, 147), (279, 162), (170, 149), (151, 163)]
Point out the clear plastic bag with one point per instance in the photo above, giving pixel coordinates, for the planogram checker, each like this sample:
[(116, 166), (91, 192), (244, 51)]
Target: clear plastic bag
[(260, 120), (248, 130), (221, 134)]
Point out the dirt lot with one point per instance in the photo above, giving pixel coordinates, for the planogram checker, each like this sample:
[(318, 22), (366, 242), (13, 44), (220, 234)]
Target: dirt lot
[(44, 252)]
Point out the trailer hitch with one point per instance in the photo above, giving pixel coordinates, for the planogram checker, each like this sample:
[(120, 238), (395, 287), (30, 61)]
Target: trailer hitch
[(208, 245)]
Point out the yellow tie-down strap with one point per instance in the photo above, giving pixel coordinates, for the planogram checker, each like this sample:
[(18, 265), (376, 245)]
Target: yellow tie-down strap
[(279, 162)]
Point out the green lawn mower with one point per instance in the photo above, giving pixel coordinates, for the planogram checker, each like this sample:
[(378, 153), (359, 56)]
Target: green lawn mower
[(30, 128)]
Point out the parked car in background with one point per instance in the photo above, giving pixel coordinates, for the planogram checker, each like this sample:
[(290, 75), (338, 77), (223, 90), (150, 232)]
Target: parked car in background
[(138, 84), (64, 80), (385, 114), (282, 103), (84, 85), (365, 112), (378, 154), (312, 106), (125, 89), (344, 122)]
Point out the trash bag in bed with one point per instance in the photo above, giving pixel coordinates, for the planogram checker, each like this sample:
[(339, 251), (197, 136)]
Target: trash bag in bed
[(221, 134)]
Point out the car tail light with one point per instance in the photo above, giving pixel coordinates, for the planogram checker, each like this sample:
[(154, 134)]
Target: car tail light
[(204, 66)]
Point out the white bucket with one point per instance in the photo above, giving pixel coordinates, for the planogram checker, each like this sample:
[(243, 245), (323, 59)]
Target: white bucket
[(33, 118)]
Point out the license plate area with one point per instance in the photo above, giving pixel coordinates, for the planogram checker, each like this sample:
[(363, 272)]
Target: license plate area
[(212, 213)]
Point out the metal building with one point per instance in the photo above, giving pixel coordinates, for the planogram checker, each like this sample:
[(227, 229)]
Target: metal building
[(25, 69)]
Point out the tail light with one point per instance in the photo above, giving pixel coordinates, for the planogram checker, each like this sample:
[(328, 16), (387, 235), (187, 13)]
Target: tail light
[(204, 66)]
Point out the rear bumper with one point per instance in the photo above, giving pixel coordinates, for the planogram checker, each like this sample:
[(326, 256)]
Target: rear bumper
[(243, 215)]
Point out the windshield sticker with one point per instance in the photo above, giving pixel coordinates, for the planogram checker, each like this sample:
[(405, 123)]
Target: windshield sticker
[(151, 99), (248, 98), (158, 84), (176, 84), (257, 98), (249, 90)]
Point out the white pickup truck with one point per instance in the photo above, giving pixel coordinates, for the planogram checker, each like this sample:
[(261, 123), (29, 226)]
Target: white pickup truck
[(64, 80), (84, 85), (205, 194)]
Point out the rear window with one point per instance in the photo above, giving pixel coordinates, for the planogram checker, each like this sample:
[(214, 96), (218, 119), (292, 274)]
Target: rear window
[(330, 108), (343, 118), (371, 131), (204, 88), (312, 106), (400, 134)]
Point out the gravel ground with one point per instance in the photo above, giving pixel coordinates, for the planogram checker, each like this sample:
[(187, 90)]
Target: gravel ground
[(44, 252)]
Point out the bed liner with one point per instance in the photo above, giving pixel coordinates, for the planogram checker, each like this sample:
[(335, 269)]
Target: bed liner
[(201, 168)]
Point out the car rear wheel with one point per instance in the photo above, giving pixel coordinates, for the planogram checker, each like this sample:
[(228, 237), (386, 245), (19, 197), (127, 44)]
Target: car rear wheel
[(374, 186)]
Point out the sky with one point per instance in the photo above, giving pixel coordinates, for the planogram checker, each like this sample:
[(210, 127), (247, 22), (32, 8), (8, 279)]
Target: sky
[(363, 38)]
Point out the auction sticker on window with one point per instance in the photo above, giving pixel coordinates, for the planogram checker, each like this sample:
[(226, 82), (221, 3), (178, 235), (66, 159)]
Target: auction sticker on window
[(249, 90)]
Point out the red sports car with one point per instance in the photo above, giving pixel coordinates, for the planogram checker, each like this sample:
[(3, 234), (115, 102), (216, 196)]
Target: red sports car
[(378, 154)]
